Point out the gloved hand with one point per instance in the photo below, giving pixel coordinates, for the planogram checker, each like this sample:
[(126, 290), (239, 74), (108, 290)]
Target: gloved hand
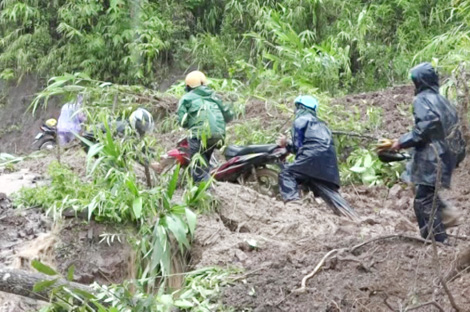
[(395, 146), (387, 144)]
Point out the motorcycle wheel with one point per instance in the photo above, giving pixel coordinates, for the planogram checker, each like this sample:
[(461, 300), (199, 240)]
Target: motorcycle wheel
[(265, 181), (47, 144)]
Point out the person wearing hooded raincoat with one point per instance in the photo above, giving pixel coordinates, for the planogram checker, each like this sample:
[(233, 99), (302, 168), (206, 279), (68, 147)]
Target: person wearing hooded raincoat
[(204, 114), (70, 121), (436, 125), (315, 164)]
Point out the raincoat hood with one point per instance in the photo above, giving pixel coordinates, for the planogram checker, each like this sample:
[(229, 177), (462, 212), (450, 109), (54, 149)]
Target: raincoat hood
[(424, 77), (304, 111), (201, 111), (203, 91)]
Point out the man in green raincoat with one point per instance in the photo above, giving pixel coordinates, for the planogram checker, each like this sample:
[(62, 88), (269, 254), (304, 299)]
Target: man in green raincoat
[(204, 114)]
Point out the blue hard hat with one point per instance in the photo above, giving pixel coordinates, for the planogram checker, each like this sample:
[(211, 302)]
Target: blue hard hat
[(307, 101)]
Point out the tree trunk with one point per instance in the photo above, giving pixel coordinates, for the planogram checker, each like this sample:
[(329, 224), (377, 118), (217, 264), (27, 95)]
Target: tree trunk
[(463, 100), (20, 282)]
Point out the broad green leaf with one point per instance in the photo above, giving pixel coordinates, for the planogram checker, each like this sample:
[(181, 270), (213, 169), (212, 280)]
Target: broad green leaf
[(367, 161), (191, 217), (84, 294), (70, 272), (137, 207), (40, 286), (369, 176), (167, 300), (173, 182), (132, 186), (184, 304), (358, 169), (178, 229), (159, 238), (178, 210), (41, 267), (96, 165), (94, 150)]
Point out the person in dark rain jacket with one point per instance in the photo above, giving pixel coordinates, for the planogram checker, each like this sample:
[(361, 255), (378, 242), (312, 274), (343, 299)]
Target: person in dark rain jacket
[(315, 164), (435, 132)]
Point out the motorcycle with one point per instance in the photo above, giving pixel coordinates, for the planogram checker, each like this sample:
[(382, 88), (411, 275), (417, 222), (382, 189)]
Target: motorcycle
[(46, 139), (245, 165)]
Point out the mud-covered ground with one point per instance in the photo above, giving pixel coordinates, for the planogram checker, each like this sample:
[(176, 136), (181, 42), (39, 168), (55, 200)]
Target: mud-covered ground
[(277, 244), (28, 234), (386, 275), (292, 240)]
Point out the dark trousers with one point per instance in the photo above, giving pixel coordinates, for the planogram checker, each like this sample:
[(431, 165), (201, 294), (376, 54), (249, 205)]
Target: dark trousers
[(201, 170), (289, 181), (423, 209)]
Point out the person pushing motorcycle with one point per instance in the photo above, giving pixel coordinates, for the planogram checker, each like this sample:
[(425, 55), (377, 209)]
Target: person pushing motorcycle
[(315, 165), (204, 114)]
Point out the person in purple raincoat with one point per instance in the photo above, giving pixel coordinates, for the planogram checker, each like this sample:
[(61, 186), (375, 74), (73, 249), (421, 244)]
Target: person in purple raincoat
[(70, 121)]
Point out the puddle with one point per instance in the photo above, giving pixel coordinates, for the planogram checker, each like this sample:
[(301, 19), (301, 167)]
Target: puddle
[(13, 182)]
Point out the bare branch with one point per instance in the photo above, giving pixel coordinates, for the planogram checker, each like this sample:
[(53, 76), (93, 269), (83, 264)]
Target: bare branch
[(434, 303), (437, 264)]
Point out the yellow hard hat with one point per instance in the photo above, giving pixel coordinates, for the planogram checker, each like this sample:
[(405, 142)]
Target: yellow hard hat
[(195, 79), (51, 122)]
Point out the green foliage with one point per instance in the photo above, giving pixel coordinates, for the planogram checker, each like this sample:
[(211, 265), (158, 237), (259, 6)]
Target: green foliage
[(115, 99), (363, 166), (256, 132), (42, 268), (331, 45), (200, 292), (116, 40)]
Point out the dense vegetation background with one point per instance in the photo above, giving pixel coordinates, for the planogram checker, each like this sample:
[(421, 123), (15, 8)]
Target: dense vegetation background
[(116, 53), (328, 44)]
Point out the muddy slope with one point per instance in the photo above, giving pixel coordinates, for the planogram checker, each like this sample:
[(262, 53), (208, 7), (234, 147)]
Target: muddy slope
[(279, 244), (18, 127), (28, 234), (385, 275), (292, 240)]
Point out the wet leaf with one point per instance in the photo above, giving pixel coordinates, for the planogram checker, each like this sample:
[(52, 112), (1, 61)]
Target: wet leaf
[(191, 217), (137, 207), (40, 286), (70, 272), (177, 227), (42, 268), (183, 304)]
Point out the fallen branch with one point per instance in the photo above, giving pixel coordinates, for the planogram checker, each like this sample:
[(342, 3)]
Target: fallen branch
[(303, 286), (20, 282), (355, 134), (434, 303), (459, 236), (400, 236), (389, 305), (236, 279)]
